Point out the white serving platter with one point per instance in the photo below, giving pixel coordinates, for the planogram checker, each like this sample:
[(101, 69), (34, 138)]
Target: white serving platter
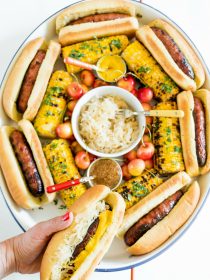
[(116, 258)]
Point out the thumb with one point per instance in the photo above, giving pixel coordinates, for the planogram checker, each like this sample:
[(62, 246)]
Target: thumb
[(45, 229)]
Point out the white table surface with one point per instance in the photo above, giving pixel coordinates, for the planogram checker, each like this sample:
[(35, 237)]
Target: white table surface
[(188, 258)]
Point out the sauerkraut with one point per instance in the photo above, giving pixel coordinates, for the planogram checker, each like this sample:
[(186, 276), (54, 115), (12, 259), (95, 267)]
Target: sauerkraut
[(102, 129)]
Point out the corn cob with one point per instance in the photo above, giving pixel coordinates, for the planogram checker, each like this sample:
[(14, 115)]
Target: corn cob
[(150, 73), (53, 105), (167, 141), (61, 163), (136, 188), (91, 51)]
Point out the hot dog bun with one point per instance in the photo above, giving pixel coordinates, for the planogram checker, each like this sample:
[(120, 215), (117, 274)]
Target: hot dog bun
[(62, 244), (92, 7), (16, 76), (153, 199), (70, 34), (185, 102), (158, 50), (12, 171), (87, 31), (159, 233)]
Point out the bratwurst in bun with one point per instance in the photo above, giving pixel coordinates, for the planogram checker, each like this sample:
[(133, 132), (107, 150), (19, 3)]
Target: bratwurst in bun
[(24, 165), (75, 252), (149, 223), (27, 82), (90, 19), (173, 53), (195, 130)]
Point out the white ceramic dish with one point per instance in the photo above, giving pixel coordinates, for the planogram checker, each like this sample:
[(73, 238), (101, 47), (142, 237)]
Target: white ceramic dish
[(130, 99), (116, 258)]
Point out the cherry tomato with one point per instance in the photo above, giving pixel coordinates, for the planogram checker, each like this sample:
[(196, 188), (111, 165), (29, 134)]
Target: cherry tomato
[(82, 160), (75, 90), (136, 167), (64, 130), (145, 94), (130, 155), (146, 151)]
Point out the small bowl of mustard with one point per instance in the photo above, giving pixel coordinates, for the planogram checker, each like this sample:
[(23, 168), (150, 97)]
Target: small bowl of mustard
[(105, 171)]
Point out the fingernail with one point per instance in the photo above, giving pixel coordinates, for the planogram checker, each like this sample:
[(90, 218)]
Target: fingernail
[(66, 217)]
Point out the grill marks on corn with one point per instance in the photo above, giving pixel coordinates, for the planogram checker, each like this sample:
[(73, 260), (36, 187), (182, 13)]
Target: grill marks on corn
[(63, 168), (167, 141), (90, 51), (150, 73), (136, 188)]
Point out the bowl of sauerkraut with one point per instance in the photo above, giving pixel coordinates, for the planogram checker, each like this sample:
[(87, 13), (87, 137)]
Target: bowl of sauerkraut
[(99, 128)]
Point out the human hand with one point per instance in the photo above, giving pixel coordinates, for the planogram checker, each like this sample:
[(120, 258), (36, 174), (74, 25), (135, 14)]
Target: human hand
[(24, 252)]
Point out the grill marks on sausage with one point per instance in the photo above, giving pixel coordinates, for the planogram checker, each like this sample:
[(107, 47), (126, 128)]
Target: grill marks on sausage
[(174, 51), (151, 219), (90, 233), (29, 81), (27, 163), (200, 131), (98, 18)]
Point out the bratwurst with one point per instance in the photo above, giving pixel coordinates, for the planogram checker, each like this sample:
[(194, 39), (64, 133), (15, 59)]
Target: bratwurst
[(151, 219), (27, 163), (29, 81), (98, 18), (174, 51), (200, 131)]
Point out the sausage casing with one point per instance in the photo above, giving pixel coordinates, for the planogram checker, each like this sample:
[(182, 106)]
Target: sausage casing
[(151, 219), (27, 163), (200, 131), (29, 81), (174, 51), (98, 18)]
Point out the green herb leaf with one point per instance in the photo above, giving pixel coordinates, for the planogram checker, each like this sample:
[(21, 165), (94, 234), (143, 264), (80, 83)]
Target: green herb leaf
[(53, 145), (168, 131), (116, 43), (76, 54), (49, 113), (55, 201), (144, 69), (61, 207), (139, 190), (166, 88), (177, 149)]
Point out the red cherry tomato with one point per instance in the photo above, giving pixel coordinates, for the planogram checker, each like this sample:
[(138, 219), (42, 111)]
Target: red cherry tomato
[(136, 167), (82, 160), (146, 151), (145, 94), (64, 130), (75, 90), (130, 155)]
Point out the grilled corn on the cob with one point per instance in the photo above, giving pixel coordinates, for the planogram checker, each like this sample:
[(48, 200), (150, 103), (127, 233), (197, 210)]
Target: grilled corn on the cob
[(53, 106), (167, 141), (150, 73), (91, 51), (136, 188), (63, 168)]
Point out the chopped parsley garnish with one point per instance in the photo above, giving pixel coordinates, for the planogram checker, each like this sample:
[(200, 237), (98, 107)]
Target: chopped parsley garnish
[(56, 90), (63, 165), (139, 190), (76, 54), (144, 69), (55, 201), (49, 113), (72, 195), (177, 149), (116, 43), (62, 206), (166, 88), (53, 145), (168, 130), (168, 139)]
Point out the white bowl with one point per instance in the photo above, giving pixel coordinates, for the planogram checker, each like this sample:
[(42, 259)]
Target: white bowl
[(129, 98)]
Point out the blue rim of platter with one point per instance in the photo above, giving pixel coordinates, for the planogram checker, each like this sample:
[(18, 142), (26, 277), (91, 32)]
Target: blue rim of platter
[(201, 206)]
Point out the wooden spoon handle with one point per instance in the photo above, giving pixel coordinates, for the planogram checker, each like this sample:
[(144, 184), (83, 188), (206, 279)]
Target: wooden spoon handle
[(165, 113)]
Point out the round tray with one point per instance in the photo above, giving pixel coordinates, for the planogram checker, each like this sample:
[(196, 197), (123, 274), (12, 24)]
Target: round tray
[(116, 258)]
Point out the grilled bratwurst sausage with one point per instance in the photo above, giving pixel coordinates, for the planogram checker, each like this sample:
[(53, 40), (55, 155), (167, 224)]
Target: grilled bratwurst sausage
[(29, 81), (98, 18), (174, 51), (200, 131), (91, 231), (151, 219), (27, 163)]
